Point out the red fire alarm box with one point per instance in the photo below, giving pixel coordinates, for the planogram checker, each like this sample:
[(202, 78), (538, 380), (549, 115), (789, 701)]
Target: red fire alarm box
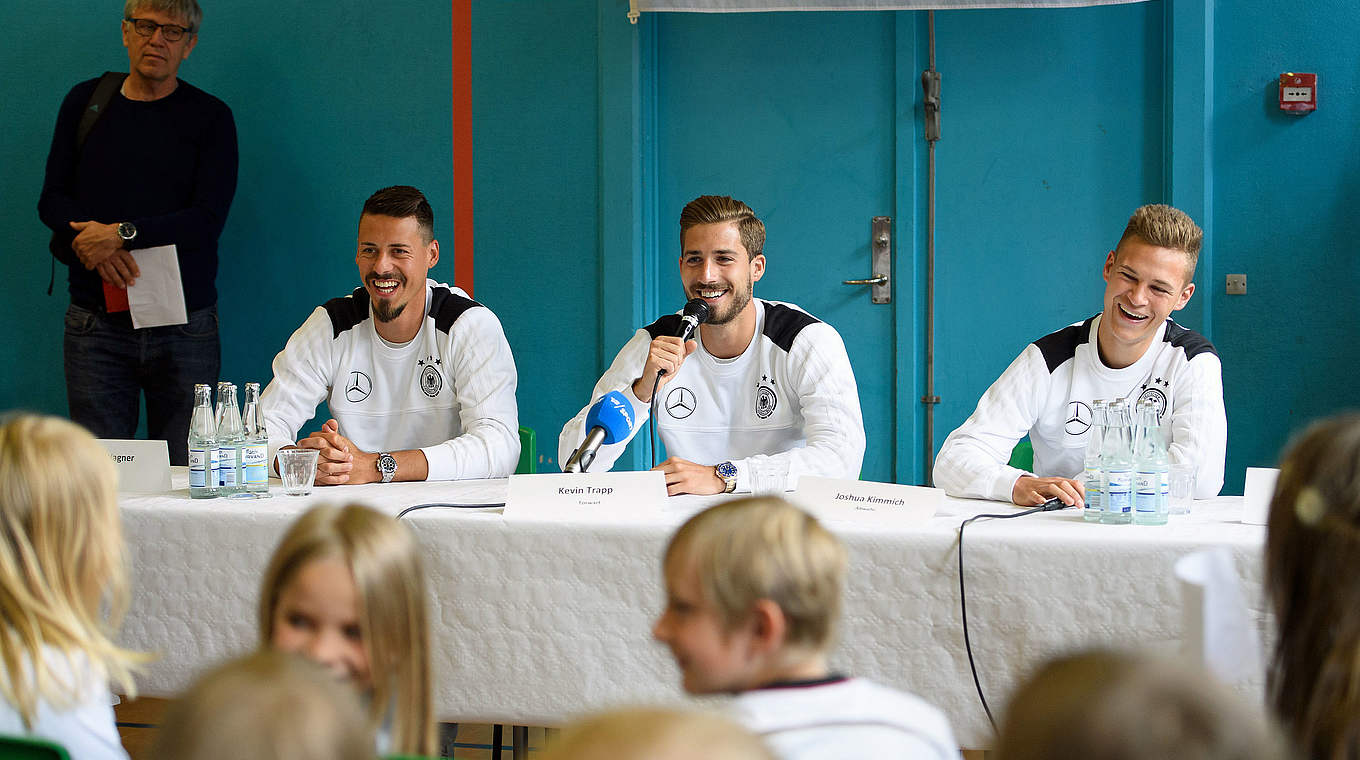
[(1298, 92)]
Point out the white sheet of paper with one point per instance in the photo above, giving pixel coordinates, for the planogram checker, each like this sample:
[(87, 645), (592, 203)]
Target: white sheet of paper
[(143, 466), (157, 297), (865, 501), (1257, 493), (1220, 632), (587, 497)]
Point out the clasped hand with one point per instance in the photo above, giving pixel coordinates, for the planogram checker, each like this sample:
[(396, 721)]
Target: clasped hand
[(100, 249), (339, 461)]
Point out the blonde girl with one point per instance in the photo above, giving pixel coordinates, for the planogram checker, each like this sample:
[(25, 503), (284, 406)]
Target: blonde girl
[(345, 589), (61, 561)]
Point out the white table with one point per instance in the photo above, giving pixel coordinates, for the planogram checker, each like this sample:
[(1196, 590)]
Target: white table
[(536, 623)]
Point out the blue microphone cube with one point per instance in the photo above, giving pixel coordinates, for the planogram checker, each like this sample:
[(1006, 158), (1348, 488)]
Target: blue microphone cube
[(614, 414)]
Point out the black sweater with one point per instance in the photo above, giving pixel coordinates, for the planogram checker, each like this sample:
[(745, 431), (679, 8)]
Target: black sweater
[(168, 166)]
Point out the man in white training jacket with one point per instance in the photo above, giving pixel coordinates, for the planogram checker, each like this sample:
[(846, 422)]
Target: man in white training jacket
[(764, 395), (418, 376), (1131, 350)]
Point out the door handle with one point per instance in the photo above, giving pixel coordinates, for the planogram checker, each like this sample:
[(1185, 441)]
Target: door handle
[(880, 249), (877, 279)]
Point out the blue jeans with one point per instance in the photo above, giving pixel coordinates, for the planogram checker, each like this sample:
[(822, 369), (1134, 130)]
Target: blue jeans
[(109, 365)]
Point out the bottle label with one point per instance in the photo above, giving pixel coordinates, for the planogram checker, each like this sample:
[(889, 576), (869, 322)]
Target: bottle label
[(227, 462), (214, 467), (252, 461), (1117, 496), (1145, 499), (1093, 495), (198, 468)]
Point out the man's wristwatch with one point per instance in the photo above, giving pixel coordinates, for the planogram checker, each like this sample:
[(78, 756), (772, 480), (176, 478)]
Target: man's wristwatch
[(728, 472), (127, 231), (387, 465)]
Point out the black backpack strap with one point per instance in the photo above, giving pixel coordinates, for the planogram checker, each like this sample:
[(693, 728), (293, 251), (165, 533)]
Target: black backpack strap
[(111, 82)]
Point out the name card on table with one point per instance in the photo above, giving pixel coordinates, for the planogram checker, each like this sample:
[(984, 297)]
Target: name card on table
[(587, 497), (865, 501), (143, 466), (1257, 493)]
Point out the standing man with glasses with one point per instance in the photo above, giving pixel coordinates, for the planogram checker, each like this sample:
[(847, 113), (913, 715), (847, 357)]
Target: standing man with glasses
[(140, 160)]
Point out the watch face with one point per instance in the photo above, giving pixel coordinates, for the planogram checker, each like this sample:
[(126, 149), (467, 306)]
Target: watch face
[(126, 230), (727, 470)]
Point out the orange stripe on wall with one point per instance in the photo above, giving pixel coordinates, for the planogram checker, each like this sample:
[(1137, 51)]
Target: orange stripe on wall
[(462, 144)]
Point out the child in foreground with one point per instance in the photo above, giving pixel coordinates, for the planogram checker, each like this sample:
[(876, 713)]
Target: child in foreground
[(1312, 545), (61, 557), (345, 589), (656, 734), (1108, 706), (267, 706), (753, 594)]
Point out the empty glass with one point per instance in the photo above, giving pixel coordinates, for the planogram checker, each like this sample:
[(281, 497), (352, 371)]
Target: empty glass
[(1181, 487), (297, 469)]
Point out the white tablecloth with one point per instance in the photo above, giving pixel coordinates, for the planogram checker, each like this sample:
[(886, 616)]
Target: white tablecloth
[(536, 623)]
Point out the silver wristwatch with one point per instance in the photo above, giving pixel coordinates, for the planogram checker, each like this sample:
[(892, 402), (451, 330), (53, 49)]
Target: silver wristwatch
[(127, 231), (387, 465)]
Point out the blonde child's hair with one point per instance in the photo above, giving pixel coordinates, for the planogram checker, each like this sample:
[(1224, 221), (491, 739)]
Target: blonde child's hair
[(61, 559), (1312, 541), (266, 706), (385, 562), (1108, 706), (1168, 227), (657, 734), (765, 548)]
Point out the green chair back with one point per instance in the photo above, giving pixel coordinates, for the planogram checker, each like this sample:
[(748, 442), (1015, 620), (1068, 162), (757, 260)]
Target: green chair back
[(1022, 456), (528, 452), (24, 748)]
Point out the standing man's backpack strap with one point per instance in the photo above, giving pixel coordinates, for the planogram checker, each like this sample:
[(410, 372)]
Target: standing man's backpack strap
[(99, 102)]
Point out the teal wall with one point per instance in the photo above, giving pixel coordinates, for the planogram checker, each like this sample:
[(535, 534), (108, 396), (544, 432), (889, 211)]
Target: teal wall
[(1286, 193), (536, 189), (329, 107)]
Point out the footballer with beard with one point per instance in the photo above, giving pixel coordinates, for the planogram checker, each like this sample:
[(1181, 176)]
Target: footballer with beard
[(761, 395)]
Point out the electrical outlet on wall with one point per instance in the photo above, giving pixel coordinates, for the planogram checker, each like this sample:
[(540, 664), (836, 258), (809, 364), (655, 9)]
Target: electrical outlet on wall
[(1237, 284)]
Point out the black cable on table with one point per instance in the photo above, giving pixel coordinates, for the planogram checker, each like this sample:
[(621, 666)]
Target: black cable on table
[(448, 505), (1052, 505)]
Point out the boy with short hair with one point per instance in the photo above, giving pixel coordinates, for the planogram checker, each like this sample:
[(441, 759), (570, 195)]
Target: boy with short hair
[(753, 589)]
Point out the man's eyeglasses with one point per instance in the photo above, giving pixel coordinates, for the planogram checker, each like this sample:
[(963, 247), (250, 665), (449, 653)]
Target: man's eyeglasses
[(146, 28)]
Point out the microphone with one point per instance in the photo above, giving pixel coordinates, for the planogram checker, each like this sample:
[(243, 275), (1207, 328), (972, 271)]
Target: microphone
[(694, 314), (610, 420)]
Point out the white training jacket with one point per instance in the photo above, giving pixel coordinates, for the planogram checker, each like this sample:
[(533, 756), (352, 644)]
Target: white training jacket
[(787, 406), (449, 391), (1047, 393)]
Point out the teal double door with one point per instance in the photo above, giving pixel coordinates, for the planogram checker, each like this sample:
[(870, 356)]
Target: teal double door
[(1052, 134)]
